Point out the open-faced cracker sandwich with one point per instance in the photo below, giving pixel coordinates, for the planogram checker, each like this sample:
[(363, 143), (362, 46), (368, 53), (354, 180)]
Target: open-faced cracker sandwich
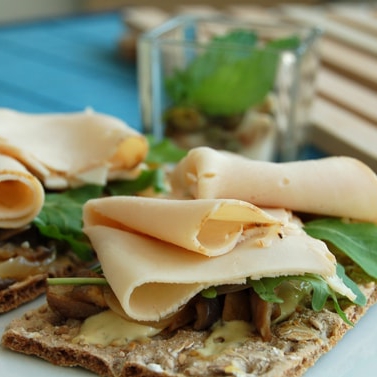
[(236, 273)]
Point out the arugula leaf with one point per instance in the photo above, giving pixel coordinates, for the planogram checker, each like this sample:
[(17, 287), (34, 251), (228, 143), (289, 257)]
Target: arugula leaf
[(61, 215), (61, 218), (210, 292), (203, 65), (321, 292), (82, 194), (357, 240), (225, 80), (147, 178), (163, 151), (360, 298), (265, 288), (231, 89)]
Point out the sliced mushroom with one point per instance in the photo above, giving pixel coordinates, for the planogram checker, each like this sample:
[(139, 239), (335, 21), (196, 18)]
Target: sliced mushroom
[(91, 294), (201, 312), (237, 306), (182, 318), (261, 313), (208, 311), (69, 303)]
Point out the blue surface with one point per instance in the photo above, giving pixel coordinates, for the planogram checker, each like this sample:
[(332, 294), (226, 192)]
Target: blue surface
[(68, 64)]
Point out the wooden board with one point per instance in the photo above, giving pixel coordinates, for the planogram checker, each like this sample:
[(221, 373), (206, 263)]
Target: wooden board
[(341, 132)]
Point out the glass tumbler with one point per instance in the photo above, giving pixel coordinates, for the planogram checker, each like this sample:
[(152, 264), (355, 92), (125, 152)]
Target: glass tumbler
[(230, 85)]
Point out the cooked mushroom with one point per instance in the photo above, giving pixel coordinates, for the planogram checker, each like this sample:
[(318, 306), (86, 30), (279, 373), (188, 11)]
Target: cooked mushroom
[(262, 312), (91, 294), (237, 306), (208, 311), (200, 311), (69, 300), (183, 317)]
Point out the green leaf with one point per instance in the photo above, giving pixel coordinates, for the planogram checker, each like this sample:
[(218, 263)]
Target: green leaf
[(360, 298), (82, 194), (321, 292), (61, 215), (209, 292), (265, 288), (164, 151), (227, 79), (288, 43), (146, 179), (61, 218), (357, 240), (232, 87)]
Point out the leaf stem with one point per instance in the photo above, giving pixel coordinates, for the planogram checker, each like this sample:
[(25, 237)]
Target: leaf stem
[(77, 281)]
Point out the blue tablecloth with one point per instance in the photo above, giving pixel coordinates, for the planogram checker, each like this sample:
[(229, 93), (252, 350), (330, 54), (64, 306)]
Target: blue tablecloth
[(68, 64)]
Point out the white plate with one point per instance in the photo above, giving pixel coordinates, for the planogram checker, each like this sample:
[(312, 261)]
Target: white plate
[(354, 355)]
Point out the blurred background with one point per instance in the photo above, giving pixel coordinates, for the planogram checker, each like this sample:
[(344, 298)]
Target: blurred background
[(18, 10), (66, 55)]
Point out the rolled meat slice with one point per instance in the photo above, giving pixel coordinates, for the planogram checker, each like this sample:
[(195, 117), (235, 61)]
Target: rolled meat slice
[(21, 194), (332, 186)]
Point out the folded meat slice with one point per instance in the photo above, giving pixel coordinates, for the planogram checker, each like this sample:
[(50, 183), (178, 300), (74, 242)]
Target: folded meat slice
[(71, 149), (156, 259), (333, 186), (207, 226), (21, 194), (152, 279)]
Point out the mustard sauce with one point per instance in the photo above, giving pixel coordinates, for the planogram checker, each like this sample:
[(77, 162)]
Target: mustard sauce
[(108, 328), (225, 335)]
